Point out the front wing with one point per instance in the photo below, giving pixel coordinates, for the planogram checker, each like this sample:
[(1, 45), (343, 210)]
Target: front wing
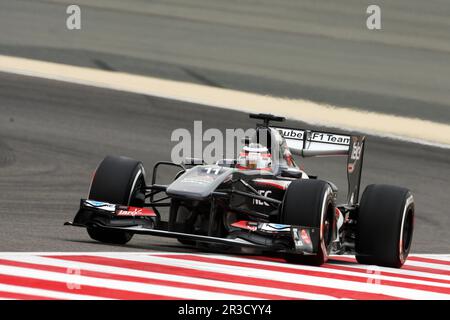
[(106, 216)]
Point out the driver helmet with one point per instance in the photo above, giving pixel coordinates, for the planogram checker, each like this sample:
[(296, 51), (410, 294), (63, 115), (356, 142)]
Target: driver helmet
[(255, 156)]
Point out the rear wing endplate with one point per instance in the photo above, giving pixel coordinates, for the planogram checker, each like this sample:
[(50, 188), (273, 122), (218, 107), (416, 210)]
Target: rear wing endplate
[(310, 143)]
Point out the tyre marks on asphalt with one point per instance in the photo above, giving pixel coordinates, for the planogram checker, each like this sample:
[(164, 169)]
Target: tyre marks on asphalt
[(161, 275), (7, 155), (379, 124)]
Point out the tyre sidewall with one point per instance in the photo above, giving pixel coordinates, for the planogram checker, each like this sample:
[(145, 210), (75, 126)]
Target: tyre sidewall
[(309, 203), (382, 215), (115, 181)]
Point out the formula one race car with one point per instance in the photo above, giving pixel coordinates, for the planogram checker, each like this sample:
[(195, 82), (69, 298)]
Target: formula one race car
[(261, 200)]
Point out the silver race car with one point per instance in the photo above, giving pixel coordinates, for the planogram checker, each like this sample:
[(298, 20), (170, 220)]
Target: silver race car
[(261, 200)]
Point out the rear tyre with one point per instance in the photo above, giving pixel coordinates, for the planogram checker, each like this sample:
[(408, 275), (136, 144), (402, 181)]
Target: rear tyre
[(117, 180), (385, 226), (310, 203)]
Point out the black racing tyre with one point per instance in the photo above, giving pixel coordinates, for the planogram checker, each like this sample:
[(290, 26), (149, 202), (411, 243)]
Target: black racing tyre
[(385, 226), (310, 203), (117, 180), (185, 217)]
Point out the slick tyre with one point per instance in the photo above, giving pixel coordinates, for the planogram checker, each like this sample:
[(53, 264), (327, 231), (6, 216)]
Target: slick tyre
[(117, 180), (385, 226), (186, 218), (310, 203)]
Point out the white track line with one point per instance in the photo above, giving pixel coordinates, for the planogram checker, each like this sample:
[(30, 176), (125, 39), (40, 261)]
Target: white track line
[(432, 255), (442, 256), (410, 129), (89, 253), (401, 292), (401, 272), (346, 273), (119, 285), (427, 265), (355, 266), (166, 276), (47, 293), (217, 267)]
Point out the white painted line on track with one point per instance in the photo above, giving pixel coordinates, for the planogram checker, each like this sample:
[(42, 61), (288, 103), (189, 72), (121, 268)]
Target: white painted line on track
[(118, 284), (348, 273), (295, 278), (47, 293), (427, 265), (355, 266), (169, 277), (442, 256), (403, 128), (210, 276), (90, 253)]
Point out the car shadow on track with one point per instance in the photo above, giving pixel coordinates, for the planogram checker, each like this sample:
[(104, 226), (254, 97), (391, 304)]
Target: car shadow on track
[(92, 245), (181, 248)]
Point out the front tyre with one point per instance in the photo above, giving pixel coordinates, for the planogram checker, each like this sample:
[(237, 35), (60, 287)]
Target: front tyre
[(310, 203), (117, 180), (184, 223), (385, 226)]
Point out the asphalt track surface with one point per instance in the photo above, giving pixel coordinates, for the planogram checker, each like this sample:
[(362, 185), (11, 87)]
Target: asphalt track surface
[(317, 50), (53, 135)]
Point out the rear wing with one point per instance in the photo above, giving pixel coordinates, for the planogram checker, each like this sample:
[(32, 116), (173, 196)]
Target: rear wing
[(310, 143)]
